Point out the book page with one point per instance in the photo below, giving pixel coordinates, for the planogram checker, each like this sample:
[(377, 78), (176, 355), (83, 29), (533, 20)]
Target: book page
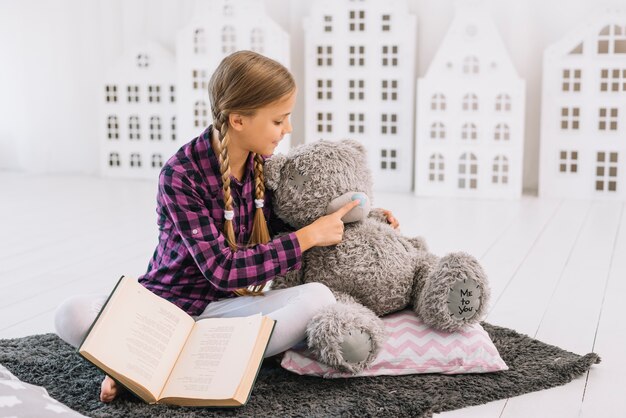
[(214, 359), (139, 335)]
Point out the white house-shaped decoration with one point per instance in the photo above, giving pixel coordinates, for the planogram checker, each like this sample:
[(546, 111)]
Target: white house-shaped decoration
[(138, 121), (470, 114), (359, 82), (219, 28), (583, 114)]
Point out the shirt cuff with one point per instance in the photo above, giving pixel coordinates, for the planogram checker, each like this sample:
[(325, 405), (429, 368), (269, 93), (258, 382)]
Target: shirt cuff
[(289, 253)]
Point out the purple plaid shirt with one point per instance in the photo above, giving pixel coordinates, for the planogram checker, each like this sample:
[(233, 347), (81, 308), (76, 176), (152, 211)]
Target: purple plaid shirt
[(192, 264)]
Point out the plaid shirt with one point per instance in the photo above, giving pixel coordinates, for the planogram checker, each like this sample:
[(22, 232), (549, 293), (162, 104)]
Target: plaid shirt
[(193, 264)]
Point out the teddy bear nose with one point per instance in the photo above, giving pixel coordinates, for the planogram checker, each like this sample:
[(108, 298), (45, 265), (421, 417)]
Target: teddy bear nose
[(361, 197), (358, 213)]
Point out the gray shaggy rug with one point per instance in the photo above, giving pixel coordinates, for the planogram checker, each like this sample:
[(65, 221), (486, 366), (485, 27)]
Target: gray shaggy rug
[(47, 361)]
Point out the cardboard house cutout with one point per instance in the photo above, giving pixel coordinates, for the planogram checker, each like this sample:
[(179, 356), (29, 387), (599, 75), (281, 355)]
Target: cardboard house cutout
[(219, 28), (359, 82), (470, 114), (138, 131), (583, 112)]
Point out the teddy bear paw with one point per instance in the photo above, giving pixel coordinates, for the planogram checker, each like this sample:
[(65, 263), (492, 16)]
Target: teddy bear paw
[(356, 346)]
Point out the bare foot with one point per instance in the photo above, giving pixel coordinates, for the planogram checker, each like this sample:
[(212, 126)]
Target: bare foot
[(108, 390)]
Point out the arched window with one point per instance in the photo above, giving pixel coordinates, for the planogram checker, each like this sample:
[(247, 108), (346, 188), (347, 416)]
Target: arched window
[(113, 128), (500, 173), (470, 65), (437, 131), (469, 132), (257, 40), (470, 102), (200, 114), (199, 41), (438, 102), (468, 171), (134, 130), (501, 132), (503, 103), (114, 159), (228, 40), (612, 40), (436, 168), (155, 128), (173, 126), (135, 160), (157, 161)]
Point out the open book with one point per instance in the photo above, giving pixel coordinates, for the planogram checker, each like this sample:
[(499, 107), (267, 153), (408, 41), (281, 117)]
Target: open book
[(157, 351)]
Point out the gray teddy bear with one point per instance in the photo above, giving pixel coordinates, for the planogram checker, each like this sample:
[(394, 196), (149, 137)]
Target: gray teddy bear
[(375, 270)]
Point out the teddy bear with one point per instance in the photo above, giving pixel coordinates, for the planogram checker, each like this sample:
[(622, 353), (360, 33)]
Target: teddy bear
[(375, 270)]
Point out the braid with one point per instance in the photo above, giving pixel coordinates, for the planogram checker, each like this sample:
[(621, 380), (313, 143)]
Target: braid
[(221, 145)]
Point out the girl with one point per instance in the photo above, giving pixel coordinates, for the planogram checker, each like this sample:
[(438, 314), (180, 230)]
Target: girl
[(214, 241)]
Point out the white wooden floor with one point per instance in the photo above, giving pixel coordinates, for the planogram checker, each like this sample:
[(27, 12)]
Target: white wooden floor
[(557, 268)]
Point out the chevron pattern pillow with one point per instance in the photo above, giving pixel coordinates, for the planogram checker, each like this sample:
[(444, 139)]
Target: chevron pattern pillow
[(411, 348)]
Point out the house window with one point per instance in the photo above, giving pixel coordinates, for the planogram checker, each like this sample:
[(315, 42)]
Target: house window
[(134, 130), (356, 20), (357, 123), (157, 161), (436, 168), (114, 159), (468, 171), (256, 40), (228, 8), (568, 161), (469, 132), (356, 56), (390, 90), (470, 102), (500, 170), (111, 93), (613, 80), (328, 23), (607, 119), (199, 79), (356, 89), (154, 94), (501, 133), (390, 55), (155, 128), (470, 65), (606, 171), (228, 40), (324, 122), (571, 79), (135, 160), (173, 126), (386, 25), (199, 41), (438, 102), (503, 103), (113, 129), (143, 61), (612, 40), (172, 94), (133, 94), (388, 159), (324, 89), (200, 114), (389, 123), (570, 118), (437, 131), (324, 56)]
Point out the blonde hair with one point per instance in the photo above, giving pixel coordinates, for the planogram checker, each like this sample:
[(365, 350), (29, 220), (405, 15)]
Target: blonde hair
[(244, 82)]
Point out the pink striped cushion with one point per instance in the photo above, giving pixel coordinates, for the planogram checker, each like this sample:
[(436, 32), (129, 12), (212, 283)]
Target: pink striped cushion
[(412, 347)]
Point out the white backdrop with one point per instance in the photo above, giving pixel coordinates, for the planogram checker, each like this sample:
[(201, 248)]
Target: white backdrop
[(53, 52)]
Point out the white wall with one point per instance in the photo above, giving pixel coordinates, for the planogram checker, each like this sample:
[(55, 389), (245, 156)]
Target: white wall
[(52, 52)]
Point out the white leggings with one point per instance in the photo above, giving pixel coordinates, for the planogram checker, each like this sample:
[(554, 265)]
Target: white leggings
[(291, 308)]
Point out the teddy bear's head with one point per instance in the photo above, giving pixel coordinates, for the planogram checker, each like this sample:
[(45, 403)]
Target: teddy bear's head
[(315, 179)]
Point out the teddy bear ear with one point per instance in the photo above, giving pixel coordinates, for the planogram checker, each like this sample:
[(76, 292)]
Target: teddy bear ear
[(355, 145), (272, 168)]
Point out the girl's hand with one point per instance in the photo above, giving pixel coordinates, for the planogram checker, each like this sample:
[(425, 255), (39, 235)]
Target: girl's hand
[(391, 219), (327, 230)]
